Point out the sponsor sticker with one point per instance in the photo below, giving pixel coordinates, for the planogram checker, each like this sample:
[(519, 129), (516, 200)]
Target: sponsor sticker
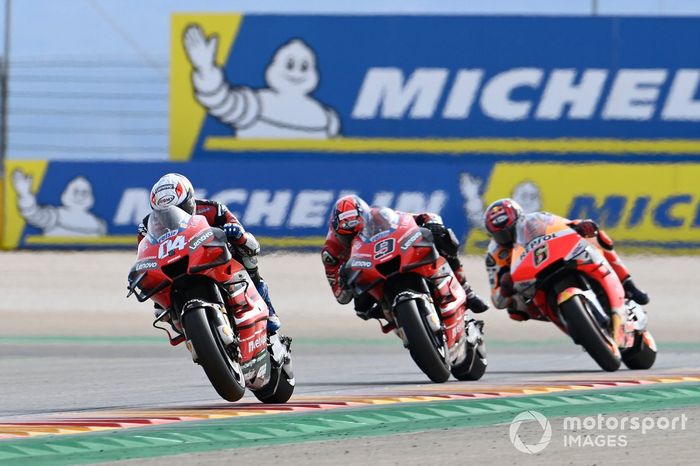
[(196, 242), (360, 264), (347, 214), (146, 265), (257, 343), (411, 240), (165, 200)]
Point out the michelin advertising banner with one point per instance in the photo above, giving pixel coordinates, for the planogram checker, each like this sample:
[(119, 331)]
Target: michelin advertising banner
[(647, 203), (459, 84)]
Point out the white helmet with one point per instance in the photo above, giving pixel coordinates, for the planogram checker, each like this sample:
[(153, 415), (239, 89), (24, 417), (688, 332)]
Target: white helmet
[(173, 189)]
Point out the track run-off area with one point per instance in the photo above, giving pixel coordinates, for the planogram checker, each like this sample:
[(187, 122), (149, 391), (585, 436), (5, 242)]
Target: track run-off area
[(87, 380)]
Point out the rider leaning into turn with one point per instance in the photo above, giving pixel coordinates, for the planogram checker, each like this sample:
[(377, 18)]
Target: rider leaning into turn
[(347, 220), (176, 190), (501, 219)]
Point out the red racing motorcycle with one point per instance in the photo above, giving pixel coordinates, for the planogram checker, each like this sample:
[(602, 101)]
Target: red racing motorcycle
[(187, 268), (396, 263), (565, 279)]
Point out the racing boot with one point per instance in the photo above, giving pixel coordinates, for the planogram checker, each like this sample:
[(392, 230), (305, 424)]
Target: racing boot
[(622, 272), (634, 293), (474, 301)]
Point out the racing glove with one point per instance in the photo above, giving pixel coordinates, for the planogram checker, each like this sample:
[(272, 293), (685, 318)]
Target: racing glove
[(586, 228), (245, 243), (234, 231)]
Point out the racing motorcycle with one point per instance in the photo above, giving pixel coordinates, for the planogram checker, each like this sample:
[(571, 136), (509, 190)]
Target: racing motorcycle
[(186, 267), (568, 281), (395, 263)]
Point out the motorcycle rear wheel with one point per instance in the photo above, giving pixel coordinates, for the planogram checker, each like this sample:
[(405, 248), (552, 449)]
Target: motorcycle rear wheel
[(473, 366), (211, 354), (640, 355), (281, 385), (282, 393), (420, 345)]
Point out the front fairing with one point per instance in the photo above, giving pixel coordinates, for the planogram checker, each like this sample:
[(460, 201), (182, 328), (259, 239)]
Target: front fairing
[(187, 247), (543, 240), (379, 253)]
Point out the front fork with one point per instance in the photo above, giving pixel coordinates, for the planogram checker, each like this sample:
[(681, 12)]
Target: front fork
[(425, 307), (223, 327), (614, 322)]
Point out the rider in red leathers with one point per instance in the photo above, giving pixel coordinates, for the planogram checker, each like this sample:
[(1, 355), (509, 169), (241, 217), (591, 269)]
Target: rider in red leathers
[(501, 219), (347, 221), (176, 190)]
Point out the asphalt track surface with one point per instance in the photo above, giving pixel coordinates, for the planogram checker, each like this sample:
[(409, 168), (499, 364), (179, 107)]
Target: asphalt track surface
[(74, 344)]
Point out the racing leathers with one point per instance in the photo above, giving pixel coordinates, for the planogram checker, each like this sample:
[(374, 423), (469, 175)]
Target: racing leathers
[(335, 254), (503, 296), (245, 247)]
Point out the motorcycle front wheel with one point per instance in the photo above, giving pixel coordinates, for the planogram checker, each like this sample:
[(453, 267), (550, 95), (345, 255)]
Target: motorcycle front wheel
[(588, 334), (223, 373), (420, 344)]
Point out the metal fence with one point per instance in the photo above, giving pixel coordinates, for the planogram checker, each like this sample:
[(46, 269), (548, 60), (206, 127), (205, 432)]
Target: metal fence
[(72, 109)]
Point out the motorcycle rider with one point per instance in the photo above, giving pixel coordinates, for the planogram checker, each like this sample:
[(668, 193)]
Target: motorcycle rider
[(347, 220), (501, 219), (174, 189)]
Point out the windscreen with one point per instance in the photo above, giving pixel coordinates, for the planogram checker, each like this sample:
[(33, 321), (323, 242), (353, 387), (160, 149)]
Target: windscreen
[(162, 223), (532, 226), (378, 221)]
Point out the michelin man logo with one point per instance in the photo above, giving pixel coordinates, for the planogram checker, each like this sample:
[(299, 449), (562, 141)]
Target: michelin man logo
[(72, 218), (284, 109), (527, 194)]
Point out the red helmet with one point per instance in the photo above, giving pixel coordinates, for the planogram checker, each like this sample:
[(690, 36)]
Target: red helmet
[(348, 217), (500, 219)]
